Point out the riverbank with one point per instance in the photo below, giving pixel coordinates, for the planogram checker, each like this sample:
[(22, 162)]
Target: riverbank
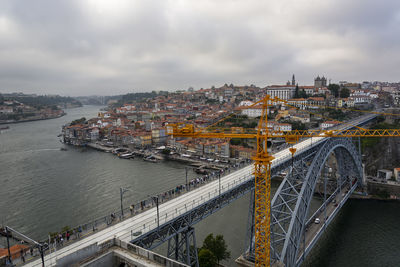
[(32, 119), (374, 197), (156, 155)]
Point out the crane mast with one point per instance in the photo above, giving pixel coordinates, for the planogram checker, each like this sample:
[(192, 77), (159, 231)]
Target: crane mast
[(262, 196)]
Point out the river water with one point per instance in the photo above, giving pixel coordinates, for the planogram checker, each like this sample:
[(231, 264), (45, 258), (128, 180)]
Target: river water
[(43, 189)]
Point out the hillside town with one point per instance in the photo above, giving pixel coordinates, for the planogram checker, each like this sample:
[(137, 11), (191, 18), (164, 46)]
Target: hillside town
[(18, 107), (142, 124)]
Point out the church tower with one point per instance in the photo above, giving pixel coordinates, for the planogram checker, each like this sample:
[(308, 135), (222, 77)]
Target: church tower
[(293, 80)]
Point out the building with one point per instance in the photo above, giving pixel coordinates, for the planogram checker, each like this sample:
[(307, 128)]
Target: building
[(315, 102), (284, 92), (396, 98), (303, 118), (242, 152), (319, 82), (252, 112), (384, 175), (298, 102), (396, 174)]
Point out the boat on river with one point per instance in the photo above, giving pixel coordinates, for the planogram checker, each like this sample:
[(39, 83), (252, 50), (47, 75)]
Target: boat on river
[(126, 155), (151, 158)]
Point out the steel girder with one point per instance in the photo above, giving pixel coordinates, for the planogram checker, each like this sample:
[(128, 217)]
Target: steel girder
[(291, 202), (183, 247)]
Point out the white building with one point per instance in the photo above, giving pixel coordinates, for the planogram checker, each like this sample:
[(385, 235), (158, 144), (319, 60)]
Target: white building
[(252, 112), (283, 127), (384, 174), (282, 91), (298, 102)]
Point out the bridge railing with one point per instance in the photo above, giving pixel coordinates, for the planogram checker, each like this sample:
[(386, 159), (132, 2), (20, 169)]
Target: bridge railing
[(62, 238), (167, 215)]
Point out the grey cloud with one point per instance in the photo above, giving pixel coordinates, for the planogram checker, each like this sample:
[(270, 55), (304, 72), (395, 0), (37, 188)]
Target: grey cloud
[(96, 46)]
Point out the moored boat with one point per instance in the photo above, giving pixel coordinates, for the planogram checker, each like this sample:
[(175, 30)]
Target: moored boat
[(126, 155)]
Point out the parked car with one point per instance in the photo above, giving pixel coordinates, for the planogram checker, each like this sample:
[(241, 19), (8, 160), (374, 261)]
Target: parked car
[(317, 221)]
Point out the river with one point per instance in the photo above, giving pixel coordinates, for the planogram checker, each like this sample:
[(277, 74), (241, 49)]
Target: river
[(43, 189)]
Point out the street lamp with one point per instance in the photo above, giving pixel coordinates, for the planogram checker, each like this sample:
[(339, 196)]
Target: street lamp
[(155, 199), (186, 169), (41, 250), (121, 192), (8, 244), (219, 182)]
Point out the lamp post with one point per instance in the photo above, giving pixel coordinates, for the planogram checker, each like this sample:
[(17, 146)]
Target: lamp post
[(155, 199), (219, 183), (8, 244), (41, 250), (121, 192), (186, 169)]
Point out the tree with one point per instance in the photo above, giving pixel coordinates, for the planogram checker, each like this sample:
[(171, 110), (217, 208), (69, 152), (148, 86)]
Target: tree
[(78, 121), (217, 246), (302, 94), (334, 88), (235, 141), (206, 258), (344, 92), (297, 125), (296, 92)]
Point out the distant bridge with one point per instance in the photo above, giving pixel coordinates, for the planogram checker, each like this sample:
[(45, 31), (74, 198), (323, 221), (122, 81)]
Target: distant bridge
[(293, 234)]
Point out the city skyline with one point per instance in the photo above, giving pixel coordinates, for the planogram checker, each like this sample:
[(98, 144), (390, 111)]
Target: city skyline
[(107, 48)]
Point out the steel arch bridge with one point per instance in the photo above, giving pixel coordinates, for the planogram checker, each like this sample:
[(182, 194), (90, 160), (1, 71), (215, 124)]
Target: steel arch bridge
[(289, 209), (291, 203)]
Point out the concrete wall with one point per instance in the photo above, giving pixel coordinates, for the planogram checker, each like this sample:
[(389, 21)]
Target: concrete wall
[(106, 260), (78, 255), (374, 188)]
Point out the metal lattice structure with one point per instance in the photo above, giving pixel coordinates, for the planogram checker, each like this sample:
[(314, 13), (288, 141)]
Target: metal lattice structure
[(291, 203), (183, 247)]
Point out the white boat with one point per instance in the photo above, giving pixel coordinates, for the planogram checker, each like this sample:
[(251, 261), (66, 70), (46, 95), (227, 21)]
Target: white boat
[(126, 155), (150, 159)]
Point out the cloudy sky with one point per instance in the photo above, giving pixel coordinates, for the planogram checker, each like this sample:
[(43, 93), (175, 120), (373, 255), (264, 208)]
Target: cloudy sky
[(82, 47)]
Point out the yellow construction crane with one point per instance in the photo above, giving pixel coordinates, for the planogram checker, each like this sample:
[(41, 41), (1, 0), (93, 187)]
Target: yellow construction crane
[(262, 162)]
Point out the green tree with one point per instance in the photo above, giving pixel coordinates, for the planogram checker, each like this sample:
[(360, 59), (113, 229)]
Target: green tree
[(206, 258), (344, 92), (302, 94), (217, 246), (78, 121), (236, 141), (334, 88), (296, 92), (297, 125)]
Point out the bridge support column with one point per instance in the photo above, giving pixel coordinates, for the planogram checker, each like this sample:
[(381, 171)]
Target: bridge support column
[(182, 247)]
